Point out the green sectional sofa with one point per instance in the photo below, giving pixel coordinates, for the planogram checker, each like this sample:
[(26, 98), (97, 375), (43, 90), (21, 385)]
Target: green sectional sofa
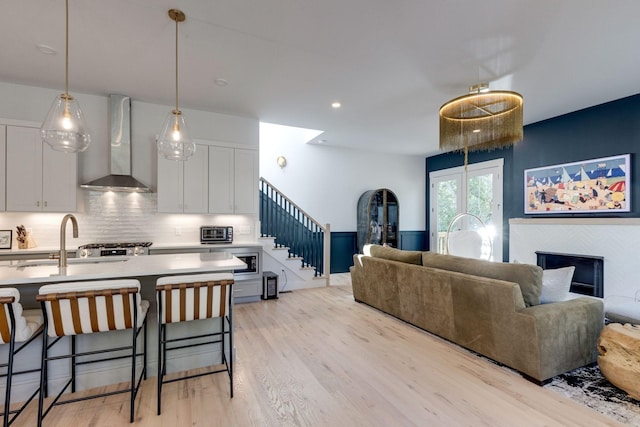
[(492, 308)]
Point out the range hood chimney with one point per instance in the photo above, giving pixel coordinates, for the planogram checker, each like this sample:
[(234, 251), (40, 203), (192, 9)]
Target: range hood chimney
[(120, 178)]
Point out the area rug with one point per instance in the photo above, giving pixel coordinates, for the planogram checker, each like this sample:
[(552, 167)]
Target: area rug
[(589, 387)]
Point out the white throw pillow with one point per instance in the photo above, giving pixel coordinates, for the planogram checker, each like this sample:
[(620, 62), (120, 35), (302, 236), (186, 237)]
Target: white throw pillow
[(556, 284)]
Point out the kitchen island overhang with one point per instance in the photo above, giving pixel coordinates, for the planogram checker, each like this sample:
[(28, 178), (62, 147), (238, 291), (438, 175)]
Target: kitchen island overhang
[(35, 272)]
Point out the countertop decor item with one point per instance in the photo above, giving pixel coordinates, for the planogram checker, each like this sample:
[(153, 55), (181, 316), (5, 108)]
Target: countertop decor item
[(64, 128), (24, 238), (6, 239), (174, 141)]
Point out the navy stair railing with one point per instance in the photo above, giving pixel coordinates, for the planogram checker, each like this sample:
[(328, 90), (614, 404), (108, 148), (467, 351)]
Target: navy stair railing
[(293, 229)]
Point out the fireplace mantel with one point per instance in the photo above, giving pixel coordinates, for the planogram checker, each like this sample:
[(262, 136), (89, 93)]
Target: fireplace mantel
[(576, 221)]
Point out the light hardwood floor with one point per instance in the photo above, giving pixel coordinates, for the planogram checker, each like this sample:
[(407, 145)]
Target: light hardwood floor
[(315, 357)]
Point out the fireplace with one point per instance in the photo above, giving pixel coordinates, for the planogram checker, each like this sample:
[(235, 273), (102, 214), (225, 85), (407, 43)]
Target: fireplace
[(588, 278)]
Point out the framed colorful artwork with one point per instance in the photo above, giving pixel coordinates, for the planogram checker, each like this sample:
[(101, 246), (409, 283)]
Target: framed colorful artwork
[(588, 186)]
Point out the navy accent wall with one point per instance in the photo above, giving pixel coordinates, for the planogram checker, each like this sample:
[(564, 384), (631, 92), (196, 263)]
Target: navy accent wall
[(601, 131), (604, 130)]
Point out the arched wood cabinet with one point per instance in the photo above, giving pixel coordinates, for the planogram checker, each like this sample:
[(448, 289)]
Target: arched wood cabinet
[(378, 218)]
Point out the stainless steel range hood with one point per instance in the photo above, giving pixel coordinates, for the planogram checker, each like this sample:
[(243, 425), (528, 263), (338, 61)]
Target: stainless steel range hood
[(120, 178)]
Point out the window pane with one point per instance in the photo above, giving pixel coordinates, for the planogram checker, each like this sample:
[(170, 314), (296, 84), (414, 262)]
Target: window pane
[(447, 208), (480, 197)]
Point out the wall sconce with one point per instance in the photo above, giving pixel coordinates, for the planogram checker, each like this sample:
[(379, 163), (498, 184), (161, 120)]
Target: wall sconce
[(282, 161)]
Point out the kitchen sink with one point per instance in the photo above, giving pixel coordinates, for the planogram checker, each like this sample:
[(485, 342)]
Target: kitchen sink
[(70, 261)]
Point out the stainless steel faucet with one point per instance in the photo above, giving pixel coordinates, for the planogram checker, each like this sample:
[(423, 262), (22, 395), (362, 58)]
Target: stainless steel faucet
[(62, 261)]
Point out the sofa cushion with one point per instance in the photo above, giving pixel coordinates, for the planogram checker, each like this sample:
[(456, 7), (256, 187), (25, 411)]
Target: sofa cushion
[(528, 276), (393, 254), (556, 284)]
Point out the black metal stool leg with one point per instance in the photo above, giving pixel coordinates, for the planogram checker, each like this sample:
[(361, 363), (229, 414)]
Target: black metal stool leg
[(43, 374)]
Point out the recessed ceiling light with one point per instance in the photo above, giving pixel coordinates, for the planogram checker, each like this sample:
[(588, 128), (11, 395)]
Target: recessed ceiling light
[(336, 104), (221, 82), (48, 50), (476, 131)]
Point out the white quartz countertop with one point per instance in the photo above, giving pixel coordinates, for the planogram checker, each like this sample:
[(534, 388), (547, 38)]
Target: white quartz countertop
[(197, 245), (189, 245), (47, 271)]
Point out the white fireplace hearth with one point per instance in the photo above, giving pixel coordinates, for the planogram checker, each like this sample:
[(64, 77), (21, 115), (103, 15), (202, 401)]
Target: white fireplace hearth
[(615, 239)]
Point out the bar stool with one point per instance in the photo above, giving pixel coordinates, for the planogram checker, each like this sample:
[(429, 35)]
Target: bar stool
[(78, 308), (195, 297), (16, 325)]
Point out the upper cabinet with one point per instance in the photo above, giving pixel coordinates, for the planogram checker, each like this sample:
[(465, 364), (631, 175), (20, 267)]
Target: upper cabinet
[(233, 180), (38, 178), (183, 186), (218, 180), (221, 179)]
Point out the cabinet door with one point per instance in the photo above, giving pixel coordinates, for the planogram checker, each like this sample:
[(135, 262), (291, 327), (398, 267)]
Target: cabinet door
[(246, 181), (60, 180), (3, 162), (196, 181), (221, 169), (24, 169), (170, 185)]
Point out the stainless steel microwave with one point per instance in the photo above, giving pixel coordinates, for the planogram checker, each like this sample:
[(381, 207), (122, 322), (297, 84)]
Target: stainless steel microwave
[(216, 234)]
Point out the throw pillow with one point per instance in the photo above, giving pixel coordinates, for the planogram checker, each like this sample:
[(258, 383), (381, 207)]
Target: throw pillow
[(556, 284)]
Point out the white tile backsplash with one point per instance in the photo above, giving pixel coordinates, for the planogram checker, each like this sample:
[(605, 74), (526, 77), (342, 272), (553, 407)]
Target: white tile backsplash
[(124, 217), (614, 239)]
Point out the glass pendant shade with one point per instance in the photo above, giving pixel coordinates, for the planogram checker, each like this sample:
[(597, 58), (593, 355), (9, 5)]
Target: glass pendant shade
[(174, 141), (64, 128)]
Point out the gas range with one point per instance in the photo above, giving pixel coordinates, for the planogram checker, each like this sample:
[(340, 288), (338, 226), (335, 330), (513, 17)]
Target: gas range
[(113, 249)]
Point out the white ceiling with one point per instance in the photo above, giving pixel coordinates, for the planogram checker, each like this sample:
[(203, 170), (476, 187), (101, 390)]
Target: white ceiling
[(392, 63)]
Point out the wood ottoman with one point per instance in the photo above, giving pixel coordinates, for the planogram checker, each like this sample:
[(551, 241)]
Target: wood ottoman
[(619, 359)]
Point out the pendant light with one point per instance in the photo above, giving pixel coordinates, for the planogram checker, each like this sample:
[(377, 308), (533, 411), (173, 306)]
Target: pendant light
[(174, 142), (64, 128)]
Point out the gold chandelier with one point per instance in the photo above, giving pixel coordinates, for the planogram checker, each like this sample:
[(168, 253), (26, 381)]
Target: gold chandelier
[(481, 120)]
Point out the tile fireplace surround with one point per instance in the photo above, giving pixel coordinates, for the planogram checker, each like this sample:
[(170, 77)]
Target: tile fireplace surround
[(615, 239)]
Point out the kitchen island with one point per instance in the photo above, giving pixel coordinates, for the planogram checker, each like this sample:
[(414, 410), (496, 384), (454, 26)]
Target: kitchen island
[(29, 275)]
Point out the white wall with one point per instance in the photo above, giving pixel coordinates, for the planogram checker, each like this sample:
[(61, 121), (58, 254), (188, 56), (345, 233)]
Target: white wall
[(32, 103), (326, 182), (116, 216)]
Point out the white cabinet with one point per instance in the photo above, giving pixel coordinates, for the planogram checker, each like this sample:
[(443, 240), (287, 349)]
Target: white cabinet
[(38, 178), (221, 179), (246, 181), (183, 186), (233, 180), (3, 161)]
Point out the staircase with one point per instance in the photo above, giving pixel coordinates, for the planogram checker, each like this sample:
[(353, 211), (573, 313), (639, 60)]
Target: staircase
[(295, 244)]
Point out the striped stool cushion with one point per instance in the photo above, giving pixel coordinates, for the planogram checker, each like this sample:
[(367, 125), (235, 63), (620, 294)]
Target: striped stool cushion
[(28, 322), (193, 297), (86, 307)]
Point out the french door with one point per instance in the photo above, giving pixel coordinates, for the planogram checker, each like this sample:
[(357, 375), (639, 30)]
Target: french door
[(478, 191)]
